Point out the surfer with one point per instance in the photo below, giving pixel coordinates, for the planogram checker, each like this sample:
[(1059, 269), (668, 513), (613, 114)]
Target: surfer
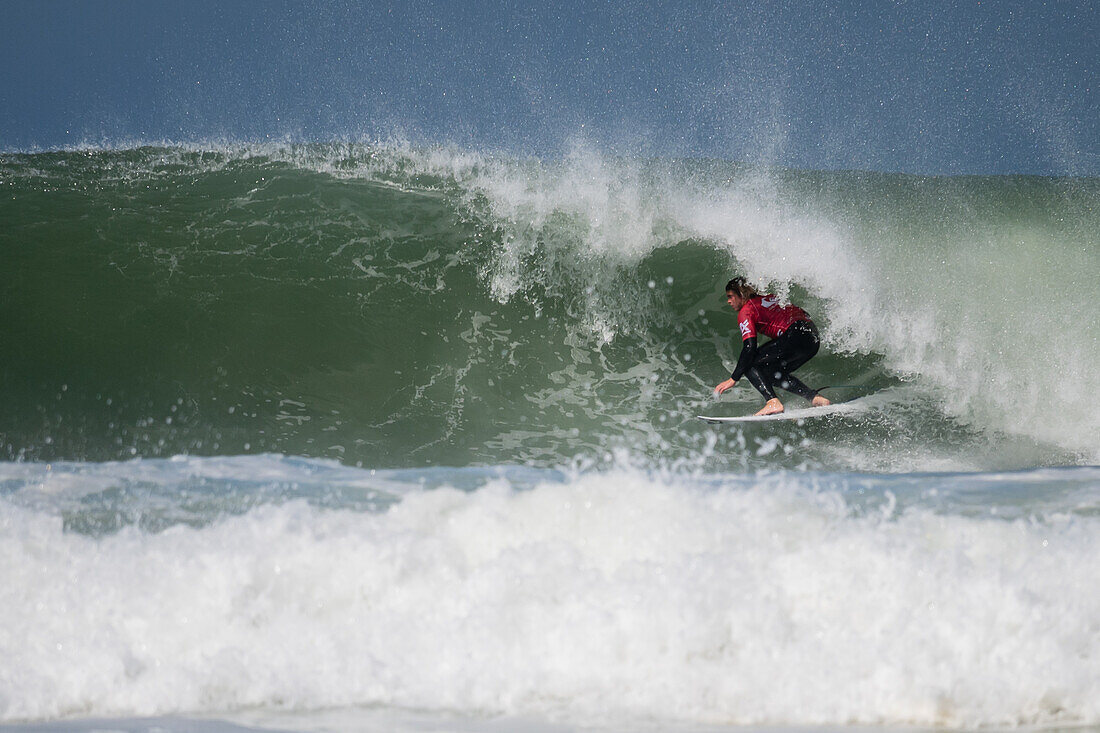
[(794, 342)]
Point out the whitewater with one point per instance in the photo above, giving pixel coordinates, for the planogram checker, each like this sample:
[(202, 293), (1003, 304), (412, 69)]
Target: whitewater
[(394, 437)]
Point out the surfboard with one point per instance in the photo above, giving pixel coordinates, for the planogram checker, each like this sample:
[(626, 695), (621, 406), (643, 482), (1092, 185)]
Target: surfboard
[(803, 413)]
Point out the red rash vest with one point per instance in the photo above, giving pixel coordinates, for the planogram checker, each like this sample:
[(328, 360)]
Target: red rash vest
[(764, 314)]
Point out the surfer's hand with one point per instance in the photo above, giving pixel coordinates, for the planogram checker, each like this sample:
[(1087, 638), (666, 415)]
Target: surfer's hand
[(723, 387)]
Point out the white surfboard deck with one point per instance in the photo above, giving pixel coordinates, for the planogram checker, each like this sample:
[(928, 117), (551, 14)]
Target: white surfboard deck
[(803, 413)]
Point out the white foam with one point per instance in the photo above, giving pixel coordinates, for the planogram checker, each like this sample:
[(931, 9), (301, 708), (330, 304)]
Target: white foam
[(607, 597)]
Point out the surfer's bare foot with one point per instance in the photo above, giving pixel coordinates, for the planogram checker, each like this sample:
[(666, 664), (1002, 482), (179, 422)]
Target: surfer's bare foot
[(820, 401), (771, 407)]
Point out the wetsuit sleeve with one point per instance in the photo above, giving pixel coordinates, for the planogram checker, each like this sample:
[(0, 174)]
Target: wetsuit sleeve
[(748, 356)]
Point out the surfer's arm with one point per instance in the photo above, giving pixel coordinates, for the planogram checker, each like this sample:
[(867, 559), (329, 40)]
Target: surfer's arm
[(748, 356)]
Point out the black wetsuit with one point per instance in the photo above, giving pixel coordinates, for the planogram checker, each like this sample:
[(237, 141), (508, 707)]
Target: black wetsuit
[(770, 365)]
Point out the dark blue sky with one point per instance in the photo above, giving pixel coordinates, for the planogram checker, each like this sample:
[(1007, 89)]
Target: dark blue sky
[(961, 87)]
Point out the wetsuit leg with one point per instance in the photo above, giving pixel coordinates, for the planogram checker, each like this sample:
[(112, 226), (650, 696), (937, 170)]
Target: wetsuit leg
[(763, 386), (781, 356)]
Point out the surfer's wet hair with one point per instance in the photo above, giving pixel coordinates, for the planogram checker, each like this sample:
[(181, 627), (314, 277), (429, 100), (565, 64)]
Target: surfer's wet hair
[(742, 288)]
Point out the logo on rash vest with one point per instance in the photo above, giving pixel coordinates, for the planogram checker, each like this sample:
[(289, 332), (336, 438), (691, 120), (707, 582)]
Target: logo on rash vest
[(769, 301), (744, 329)]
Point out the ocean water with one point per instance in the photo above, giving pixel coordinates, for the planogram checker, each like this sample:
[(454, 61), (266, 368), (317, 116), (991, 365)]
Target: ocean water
[(395, 437)]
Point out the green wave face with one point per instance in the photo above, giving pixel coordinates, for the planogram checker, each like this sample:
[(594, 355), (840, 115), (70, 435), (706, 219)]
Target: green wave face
[(398, 307)]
